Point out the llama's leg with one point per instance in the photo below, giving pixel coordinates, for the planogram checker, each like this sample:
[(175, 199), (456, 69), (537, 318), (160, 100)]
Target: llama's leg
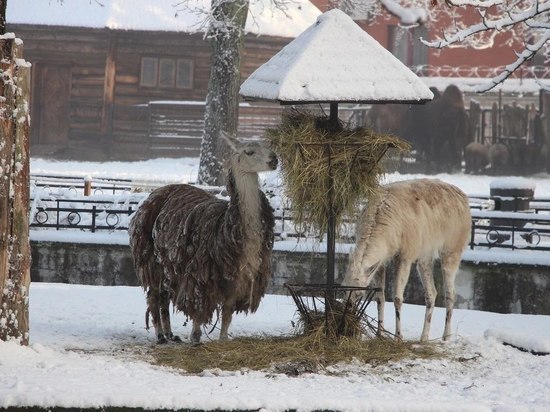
[(196, 333), (153, 309), (379, 281), (403, 271), (165, 316), (227, 315), (449, 267), (425, 268)]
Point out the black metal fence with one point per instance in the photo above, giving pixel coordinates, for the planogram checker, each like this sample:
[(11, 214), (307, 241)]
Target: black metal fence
[(490, 229), (92, 215), (510, 230)]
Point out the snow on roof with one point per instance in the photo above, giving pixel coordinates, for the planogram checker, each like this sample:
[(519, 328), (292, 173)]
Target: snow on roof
[(264, 18), (334, 60)]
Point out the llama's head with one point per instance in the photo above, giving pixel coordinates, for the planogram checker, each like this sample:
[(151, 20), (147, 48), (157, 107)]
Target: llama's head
[(251, 157)]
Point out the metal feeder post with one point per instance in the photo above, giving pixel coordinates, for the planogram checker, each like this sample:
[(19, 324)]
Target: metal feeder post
[(331, 227)]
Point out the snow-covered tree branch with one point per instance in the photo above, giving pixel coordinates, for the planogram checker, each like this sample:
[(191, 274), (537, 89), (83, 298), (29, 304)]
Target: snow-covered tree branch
[(524, 19), (527, 23), (527, 54), (527, 16), (408, 15)]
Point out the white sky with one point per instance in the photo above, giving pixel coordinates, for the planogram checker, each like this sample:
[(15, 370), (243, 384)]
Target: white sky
[(264, 18)]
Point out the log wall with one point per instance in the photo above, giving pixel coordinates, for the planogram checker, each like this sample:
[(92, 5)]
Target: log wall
[(86, 87)]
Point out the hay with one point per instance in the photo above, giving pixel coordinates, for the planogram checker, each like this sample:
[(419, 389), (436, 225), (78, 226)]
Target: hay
[(304, 143), (305, 353), (341, 321)]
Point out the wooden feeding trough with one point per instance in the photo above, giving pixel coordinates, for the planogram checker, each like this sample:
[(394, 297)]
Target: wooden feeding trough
[(333, 61)]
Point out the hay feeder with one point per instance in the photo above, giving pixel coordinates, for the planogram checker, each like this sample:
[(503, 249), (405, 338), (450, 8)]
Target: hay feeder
[(336, 309)]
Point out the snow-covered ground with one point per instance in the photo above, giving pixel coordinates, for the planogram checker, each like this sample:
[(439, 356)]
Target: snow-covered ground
[(75, 358)]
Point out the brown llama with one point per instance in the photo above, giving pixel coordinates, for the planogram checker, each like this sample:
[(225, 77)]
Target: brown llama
[(203, 253)]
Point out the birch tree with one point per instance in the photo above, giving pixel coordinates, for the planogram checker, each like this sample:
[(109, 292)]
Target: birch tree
[(226, 34)]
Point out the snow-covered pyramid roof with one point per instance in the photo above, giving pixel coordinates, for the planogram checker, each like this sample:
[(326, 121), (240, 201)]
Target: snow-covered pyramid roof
[(335, 60), (288, 20)]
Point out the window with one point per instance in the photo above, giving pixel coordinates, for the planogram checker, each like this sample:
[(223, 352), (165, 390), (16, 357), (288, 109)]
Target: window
[(406, 46), (166, 73), (185, 74), (149, 69)]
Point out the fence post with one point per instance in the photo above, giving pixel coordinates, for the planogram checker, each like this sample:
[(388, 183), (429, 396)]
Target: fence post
[(57, 215), (472, 235), (87, 186), (93, 218)]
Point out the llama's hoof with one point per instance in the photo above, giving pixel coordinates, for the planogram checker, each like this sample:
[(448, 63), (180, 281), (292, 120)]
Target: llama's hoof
[(175, 338), (161, 339)]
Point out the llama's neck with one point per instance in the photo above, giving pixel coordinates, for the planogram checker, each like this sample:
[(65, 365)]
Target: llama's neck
[(245, 195), (248, 198)]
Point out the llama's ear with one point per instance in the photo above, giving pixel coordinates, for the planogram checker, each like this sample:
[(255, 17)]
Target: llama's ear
[(231, 141)]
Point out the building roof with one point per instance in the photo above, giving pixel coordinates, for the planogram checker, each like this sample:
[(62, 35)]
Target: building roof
[(289, 20), (335, 60)]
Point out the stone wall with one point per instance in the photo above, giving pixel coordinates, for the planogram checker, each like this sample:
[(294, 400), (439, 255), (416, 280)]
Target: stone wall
[(504, 288), (80, 263)]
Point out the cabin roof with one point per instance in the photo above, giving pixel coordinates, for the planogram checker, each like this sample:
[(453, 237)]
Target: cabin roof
[(334, 60), (159, 15)]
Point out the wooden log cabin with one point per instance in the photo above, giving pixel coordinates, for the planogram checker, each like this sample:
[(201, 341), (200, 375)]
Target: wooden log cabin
[(127, 80)]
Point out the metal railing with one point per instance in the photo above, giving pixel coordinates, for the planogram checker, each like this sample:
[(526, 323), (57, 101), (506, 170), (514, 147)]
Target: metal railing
[(490, 229), (526, 230), (510, 230), (82, 214)]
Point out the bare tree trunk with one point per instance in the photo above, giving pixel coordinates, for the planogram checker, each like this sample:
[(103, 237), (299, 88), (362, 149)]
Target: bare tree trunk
[(226, 34), (14, 193)]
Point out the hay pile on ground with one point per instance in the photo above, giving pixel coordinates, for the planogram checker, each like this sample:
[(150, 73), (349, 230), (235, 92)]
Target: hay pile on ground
[(304, 144), (291, 355)]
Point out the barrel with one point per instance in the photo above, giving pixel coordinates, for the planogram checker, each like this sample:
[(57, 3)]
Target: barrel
[(511, 194)]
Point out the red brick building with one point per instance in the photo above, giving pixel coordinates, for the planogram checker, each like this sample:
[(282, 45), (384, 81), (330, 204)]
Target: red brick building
[(448, 62)]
